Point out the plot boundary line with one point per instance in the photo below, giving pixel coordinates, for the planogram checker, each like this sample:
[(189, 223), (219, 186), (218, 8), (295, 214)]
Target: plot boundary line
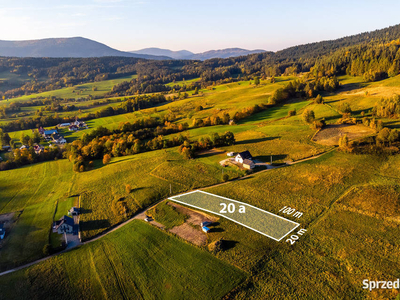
[(174, 199)]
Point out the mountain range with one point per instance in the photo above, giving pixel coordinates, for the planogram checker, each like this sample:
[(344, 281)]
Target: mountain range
[(64, 47), (83, 47), (185, 54)]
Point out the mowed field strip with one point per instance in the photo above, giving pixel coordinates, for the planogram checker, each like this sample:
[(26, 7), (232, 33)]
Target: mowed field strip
[(254, 218)]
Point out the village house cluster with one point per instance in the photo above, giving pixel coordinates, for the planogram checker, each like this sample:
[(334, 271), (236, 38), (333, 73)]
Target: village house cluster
[(56, 137), (74, 126)]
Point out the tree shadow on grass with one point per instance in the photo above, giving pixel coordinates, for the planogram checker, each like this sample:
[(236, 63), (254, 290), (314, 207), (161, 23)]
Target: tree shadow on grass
[(359, 111), (84, 211), (209, 154), (393, 124), (121, 160), (352, 86), (229, 244), (267, 158), (94, 224), (256, 140), (216, 229)]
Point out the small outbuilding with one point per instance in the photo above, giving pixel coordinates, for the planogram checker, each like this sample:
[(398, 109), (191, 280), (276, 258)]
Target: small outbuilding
[(230, 154), (73, 211), (248, 164), (206, 229), (205, 224)]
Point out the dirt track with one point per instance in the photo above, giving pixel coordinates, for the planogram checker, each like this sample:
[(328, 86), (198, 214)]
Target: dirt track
[(191, 230)]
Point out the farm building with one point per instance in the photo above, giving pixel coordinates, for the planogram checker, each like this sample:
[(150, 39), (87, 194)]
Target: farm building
[(63, 125), (64, 225), (240, 157), (206, 229), (248, 164), (205, 224), (230, 154), (2, 231), (73, 128), (73, 211), (58, 139), (50, 132)]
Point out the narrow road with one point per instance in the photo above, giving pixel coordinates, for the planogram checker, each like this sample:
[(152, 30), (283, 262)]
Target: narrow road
[(141, 214)]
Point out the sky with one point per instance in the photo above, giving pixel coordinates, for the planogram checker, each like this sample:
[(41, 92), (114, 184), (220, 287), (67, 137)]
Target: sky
[(196, 26)]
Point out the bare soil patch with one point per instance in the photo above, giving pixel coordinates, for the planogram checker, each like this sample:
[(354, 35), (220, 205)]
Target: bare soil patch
[(7, 219), (331, 134), (191, 229)]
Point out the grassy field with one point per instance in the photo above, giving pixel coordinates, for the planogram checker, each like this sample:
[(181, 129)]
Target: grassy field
[(228, 98), (183, 82), (10, 80), (350, 210), (136, 262), (167, 215), (77, 91), (34, 190), (46, 191), (150, 174), (350, 207)]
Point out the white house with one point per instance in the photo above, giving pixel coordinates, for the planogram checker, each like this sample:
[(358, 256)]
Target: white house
[(65, 224), (240, 157)]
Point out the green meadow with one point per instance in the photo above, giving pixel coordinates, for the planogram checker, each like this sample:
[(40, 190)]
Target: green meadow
[(44, 192), (78, 91), (349, 206), (136, 262)]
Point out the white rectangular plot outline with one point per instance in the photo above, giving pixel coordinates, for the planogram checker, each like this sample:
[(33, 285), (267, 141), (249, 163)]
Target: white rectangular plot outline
[(213, 212)]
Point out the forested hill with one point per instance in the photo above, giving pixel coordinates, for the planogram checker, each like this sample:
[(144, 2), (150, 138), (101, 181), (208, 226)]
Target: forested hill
[(317, 49), (64, 47), (337, 56)]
